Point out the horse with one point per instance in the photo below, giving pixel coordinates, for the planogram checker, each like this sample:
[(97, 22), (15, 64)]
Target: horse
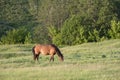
[(49, 49)]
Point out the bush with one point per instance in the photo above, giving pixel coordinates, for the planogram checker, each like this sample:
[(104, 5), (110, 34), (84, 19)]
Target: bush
[(114, 32), (28, 38), (15, 36)]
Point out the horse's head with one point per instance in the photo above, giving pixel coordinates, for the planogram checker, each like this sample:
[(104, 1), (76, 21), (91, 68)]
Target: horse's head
[(62, 58)]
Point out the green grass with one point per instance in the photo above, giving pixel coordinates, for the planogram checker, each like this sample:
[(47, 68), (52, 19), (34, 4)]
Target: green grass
[(88, 61)]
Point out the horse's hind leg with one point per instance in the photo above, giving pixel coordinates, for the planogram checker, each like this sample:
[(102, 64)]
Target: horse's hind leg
[(37, 57), (52, 58)]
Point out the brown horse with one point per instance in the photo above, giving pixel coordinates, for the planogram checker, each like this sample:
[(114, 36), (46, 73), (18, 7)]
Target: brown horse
[(46, 50)]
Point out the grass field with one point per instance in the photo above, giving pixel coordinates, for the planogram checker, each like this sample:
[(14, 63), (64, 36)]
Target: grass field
[(88, 61)]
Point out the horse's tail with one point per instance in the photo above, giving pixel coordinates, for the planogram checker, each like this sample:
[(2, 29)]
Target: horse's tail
[(33, 51), (58, 52)]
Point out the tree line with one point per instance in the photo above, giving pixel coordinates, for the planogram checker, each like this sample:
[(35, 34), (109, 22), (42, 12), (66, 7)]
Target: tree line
[(62, 22)]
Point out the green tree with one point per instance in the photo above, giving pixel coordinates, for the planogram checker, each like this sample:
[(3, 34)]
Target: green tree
[(72, 32), (92, 19), (40, 35)]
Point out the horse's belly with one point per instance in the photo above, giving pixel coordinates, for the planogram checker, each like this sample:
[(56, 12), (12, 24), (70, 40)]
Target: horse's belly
[(44, 52)]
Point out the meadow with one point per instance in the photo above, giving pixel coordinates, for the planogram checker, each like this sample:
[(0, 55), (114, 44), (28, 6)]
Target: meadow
[(88, 61)]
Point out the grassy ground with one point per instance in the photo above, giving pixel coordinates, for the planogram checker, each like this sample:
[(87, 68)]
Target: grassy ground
[(89, 61)]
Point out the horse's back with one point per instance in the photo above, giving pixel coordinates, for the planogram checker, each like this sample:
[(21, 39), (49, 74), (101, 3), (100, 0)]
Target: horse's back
[(45, 49)]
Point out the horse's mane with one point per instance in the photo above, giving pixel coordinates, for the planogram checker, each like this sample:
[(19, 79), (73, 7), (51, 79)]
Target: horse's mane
[(58, 51)]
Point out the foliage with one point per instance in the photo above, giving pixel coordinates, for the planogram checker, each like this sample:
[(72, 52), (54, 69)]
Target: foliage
[(55, 35), (92, 19), (28, 38), (114, 32), (91, 26), (40, 35), (72, 31), (15, 13), (15, 36)]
